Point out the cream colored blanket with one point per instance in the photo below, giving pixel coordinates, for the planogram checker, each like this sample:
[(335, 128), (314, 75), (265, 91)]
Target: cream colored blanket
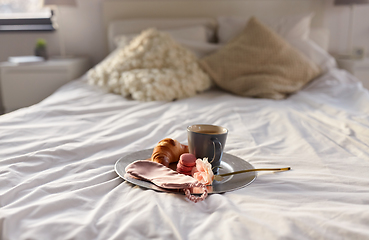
[(57, 178)]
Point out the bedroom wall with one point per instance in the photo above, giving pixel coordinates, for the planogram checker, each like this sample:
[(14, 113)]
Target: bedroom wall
[(82, 28), (338, 23), (84, 34)]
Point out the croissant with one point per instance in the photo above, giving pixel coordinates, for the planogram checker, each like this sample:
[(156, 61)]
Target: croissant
[(167, 151)]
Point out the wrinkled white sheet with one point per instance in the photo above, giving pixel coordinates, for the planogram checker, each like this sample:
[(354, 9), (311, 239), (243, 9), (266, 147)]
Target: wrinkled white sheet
[(57, 178)]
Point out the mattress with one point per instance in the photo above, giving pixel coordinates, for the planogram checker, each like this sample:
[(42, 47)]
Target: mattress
[(58, 180)]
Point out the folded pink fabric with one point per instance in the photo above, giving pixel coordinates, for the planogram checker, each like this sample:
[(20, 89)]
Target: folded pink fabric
[(165, 177)]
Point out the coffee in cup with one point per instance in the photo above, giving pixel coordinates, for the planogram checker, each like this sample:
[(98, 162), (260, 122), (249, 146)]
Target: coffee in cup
[(208, 141)]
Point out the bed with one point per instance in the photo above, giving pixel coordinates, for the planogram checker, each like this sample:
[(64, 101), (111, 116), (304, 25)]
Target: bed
[(58, 157)]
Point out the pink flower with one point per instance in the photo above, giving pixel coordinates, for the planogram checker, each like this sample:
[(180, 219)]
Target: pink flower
[(202, 172)]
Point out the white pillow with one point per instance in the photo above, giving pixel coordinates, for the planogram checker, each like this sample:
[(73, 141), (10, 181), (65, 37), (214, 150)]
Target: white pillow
[(193, 38), (194, 33), (314, 52), (137, 25), (294, 29), (200, 49), (320, 36), (290, 26)]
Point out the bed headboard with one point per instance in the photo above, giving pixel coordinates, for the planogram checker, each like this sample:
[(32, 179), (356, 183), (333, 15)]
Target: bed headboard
[(124, 9)]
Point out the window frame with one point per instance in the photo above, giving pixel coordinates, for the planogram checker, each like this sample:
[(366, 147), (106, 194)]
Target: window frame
[(27, 22)]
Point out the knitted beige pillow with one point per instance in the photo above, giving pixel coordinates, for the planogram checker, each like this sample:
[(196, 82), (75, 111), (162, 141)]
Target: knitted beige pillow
[(259, 63), (152, 67)]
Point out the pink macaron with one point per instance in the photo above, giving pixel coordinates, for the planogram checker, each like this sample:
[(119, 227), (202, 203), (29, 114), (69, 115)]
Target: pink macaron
[(184, 169), (186, 162), (187, 159)]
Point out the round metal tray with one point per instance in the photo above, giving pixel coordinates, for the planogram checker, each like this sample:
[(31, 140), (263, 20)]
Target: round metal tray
[(230, 163)]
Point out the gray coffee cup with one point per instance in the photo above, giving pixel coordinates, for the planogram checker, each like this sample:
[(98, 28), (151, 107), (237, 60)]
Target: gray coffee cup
[(207, 141)]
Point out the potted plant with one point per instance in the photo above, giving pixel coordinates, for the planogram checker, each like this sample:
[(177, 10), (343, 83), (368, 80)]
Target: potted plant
[(40, 49)]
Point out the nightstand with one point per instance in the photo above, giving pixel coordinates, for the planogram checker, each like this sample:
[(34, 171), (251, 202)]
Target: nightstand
[(357, 67), (23, 85)]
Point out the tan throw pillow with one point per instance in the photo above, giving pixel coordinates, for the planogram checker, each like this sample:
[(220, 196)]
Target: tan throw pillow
[(259, 63)]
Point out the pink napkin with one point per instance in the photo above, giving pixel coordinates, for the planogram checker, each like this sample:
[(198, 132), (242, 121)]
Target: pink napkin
[(165, 177)]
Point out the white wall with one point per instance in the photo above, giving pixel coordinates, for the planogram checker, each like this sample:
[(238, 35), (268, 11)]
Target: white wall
[(81, 27), (338, 19), (84, 34)]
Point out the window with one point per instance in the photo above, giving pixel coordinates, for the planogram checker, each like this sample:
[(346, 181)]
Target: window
[(24, 15)]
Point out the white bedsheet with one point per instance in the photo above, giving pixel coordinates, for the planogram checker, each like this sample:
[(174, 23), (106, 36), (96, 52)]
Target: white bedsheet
[(57, 178)]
